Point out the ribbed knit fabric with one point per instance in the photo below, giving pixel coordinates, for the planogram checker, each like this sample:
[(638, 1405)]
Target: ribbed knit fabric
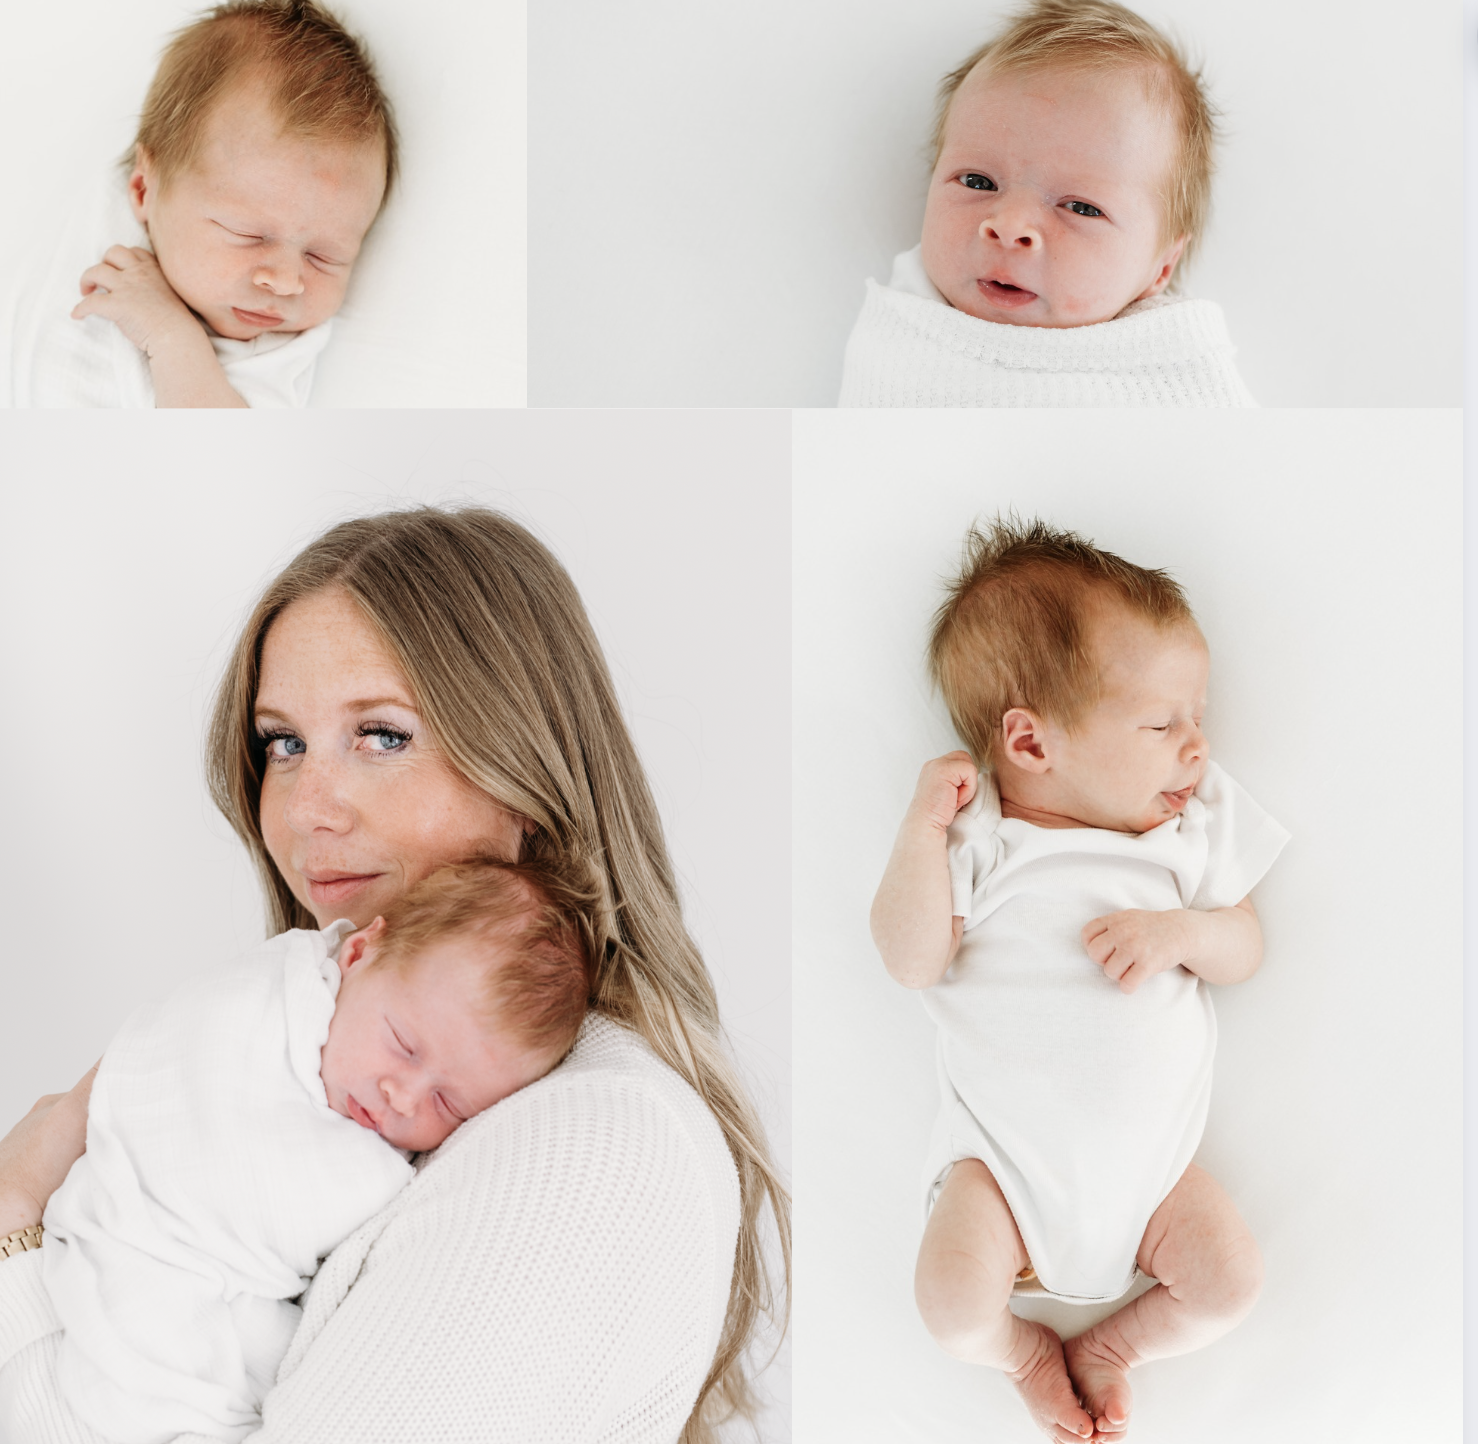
[(911, 348), (558, 1271)]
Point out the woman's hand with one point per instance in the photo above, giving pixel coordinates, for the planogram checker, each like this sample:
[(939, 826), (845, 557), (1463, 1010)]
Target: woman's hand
[(36, 1154)]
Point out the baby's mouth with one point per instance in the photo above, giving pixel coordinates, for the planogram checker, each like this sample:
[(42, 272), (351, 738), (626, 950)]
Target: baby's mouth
[(1003, 293)]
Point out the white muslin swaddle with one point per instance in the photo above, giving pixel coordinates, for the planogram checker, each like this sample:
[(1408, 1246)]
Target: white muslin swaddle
[(58, 362), (216, 1178), (1085, 1103), (910, 347)]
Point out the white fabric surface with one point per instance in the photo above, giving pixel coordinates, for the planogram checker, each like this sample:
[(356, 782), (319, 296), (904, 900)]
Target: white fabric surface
[(556, 1273), (1085, 1103), (58, 362), (216, 1177), (909, 347)]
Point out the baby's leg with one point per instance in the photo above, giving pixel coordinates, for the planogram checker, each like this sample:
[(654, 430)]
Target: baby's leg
[(1209, 1275), (970, 1256)]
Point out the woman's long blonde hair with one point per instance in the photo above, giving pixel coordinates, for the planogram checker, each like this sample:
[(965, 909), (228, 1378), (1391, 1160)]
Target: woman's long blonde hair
[(508, 676)]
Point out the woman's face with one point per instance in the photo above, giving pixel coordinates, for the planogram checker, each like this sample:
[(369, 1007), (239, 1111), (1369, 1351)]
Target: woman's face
[(358, 803)]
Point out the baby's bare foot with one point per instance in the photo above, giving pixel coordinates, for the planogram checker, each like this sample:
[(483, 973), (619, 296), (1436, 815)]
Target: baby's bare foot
[(1047, 1392), (1102, 1382)]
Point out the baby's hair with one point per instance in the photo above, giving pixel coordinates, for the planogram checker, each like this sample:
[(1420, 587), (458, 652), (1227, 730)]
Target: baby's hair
[(317, 77), (531, 921), (1012, 630), (1099, 35)]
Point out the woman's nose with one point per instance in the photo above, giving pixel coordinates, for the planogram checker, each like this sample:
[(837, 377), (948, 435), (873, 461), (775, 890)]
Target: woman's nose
[(317, 799), (281, 274)]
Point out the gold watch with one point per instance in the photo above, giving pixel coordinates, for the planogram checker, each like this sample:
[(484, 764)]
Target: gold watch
[(21, 1240)]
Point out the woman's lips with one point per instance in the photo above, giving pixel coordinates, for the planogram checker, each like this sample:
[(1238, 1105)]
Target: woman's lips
[(256, 318), (1001, 293), (335, 888)]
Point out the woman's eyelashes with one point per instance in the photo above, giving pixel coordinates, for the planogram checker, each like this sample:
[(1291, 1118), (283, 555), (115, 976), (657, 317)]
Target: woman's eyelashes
[(382, 738)]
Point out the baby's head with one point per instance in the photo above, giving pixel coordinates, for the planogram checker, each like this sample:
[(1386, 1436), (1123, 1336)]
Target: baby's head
[(1072, 168), (264, 153), (1078, 677), (471, 988)]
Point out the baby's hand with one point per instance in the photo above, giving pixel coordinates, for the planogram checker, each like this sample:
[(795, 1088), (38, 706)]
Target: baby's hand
[(128, 288), (945, 785), (1134, 945)]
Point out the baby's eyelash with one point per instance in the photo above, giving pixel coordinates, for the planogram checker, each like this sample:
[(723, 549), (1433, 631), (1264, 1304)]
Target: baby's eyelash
[(1082, 208)]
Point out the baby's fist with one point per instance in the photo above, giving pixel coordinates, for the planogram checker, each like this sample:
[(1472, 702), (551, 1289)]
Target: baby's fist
[(945, 786), (127, 288), (1134, 945)]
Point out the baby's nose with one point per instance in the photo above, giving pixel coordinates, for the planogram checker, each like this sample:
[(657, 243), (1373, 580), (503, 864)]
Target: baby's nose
[(280, 276), (1010, 229)]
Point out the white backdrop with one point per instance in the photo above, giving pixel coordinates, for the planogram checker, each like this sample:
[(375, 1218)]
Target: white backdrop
[(709, 186), (436, 309), (1322, 554), (127, 563)]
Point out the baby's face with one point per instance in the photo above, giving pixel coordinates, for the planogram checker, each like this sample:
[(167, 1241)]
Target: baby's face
[(262, 231), (409, 1052), (1045, 208), (1134, 761)]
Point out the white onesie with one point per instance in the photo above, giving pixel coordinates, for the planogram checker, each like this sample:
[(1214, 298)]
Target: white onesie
[(910, 347), (216, 1178), (1085, 1103), (58, 362)]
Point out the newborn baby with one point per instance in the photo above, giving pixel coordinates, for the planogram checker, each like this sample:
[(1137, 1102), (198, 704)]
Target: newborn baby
[(263, 156), (242, 1128), (1072, 175), (1064, 910)]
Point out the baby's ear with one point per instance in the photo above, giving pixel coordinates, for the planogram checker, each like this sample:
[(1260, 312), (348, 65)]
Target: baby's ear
[(1022, 741), (1168, 262), (358, 944), (141, 185)]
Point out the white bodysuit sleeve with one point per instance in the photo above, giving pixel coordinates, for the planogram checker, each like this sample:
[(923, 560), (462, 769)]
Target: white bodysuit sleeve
[(974, 850), (1242, 841)]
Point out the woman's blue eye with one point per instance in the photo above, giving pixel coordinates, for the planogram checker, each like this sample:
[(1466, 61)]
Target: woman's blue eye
[(977, 182), (388, 739), (1082, 208), (284, 746)]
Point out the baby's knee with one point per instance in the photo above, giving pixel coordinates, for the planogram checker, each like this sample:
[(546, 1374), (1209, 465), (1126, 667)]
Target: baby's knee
[(961, 1303), (1233, 1286)]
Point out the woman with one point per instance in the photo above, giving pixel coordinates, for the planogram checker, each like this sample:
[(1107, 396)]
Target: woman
[(583, 1260)]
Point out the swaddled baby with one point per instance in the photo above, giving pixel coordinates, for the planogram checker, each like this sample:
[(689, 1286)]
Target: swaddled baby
[(264, 153), (1064, 910), (1072, 175), (243, 1127)]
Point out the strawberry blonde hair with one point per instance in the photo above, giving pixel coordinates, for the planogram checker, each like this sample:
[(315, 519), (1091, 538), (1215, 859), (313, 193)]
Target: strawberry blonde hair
[(317, 77), (507, 673), (1012, 630), (1100, 35), (525, 922)]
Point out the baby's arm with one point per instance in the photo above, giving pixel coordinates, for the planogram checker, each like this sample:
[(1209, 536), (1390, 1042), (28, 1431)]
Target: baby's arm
[(128, 288), (912, 915), (1222, 945)]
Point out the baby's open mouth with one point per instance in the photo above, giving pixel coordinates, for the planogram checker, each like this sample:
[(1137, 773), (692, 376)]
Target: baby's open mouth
[(1003, 293)]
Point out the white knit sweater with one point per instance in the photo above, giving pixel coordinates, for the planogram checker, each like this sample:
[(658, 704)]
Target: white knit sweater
[(909, 347), (558, 1271)]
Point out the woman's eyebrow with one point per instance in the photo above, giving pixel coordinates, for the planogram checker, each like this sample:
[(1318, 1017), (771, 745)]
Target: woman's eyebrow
[(368, 704)]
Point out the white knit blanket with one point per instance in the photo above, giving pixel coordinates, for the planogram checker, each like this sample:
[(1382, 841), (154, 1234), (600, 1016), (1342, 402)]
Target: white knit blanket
[(58, 362), (909, 347), (216, 1178)]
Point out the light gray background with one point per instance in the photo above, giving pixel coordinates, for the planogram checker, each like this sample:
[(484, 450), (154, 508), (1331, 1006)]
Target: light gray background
[(436, 309), (709, 186), (133, 545), (1322, 554)]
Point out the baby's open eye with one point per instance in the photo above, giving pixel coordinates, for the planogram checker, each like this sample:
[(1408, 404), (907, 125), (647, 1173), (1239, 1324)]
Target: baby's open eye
[(977, 182), (1082, 208)]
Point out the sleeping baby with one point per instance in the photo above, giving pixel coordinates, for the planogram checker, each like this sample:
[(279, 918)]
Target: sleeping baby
[(1072, 176), (264, 153), (243, 1127), (1064, 910)]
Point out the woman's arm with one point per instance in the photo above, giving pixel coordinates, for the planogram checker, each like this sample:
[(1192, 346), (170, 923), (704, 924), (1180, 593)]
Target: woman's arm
[(36, 1154), (558, 1272)]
